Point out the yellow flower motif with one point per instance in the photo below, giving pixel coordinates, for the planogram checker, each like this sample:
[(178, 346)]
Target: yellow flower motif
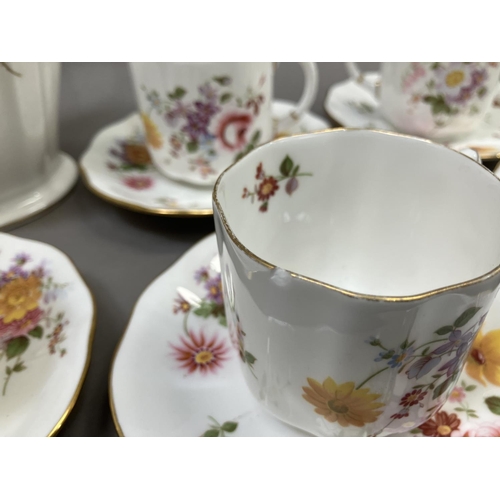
[(153, 136), (455, 78), (19, 297), (483, 361), (342, 403)]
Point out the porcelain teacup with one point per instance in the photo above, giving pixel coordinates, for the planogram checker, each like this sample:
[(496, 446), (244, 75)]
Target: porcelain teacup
[(442, 101), (200, 117), (357, 268)]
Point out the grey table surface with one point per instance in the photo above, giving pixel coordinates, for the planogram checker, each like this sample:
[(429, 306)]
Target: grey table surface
[(120, 252)]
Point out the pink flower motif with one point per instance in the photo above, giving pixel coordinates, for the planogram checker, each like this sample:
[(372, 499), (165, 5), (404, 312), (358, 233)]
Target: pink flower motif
[(457, 395), (20, 327), (138, 182), (482, 429), (199, 353)]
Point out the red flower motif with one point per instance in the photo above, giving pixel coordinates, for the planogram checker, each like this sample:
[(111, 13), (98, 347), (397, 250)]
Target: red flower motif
[(138, 182), (260, 172), (442, 425), (20, 327), (412, 398), (267, 188), (199, 353), (232, 130)]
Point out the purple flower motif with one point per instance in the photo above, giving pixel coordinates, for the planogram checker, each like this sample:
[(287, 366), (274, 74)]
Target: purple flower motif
[(398, 359), (202, 275), (423, 366), (39, 272), (206, 109), (21, 258), (463, 95), (452, 365), (196, 126), (479, 77), (208, 91), (214, 288), (456, 341)]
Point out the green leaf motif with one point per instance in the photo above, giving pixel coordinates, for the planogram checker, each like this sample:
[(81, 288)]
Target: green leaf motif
[(416, 431), (17, 346), (286, 166), (205, 309), (470, 388), (229, 426), (223, 321), (211, 433), (192, 146), (36, 333), (255, 137), (425, 351), (466, 316), (438, 104), (441, 388), (19, 367), (225, 97), (444, 330), (481, 91), (8, 370), (250, 358), (222, 80), (178, 93), (493, 404)]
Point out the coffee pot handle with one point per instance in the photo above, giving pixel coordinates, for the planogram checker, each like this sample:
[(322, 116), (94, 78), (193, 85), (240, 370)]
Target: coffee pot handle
[(306, 101), (360, 78)]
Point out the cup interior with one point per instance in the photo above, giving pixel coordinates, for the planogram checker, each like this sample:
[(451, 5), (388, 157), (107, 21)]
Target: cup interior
[(370, 212)]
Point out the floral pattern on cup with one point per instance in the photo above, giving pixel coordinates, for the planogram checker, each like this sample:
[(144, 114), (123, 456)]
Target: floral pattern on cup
[(269, 184), (449, 88), (435, 367), (27, 297), (214, 118), (483, 361), (343, 404)]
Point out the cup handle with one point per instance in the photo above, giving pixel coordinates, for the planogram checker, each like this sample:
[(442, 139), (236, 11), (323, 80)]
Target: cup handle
[(359, 77), (310, 70)]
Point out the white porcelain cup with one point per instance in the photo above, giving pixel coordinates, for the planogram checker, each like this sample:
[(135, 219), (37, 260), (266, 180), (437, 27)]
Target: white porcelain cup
[(442, 101), (357, 268), (29, 98), (201, 117)]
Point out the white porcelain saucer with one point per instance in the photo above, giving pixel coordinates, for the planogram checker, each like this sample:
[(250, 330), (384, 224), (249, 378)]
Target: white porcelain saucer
[(47, 319), (351, 105), (26, 205), (164, 382), (116, 167)]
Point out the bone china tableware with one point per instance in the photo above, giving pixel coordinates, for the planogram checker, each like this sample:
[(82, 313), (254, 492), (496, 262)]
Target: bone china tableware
[(201, 117), (34, 174), (184, 379), (117, 167), (442, 101), (47, 320), (353, 275)]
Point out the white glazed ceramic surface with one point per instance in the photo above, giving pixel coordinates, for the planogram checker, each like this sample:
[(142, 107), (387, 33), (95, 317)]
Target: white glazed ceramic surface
[(117, 167), (152, 394), (201, 117), (46, 327), (333, 246), (352, 105), (442, 101), (34, 173)]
